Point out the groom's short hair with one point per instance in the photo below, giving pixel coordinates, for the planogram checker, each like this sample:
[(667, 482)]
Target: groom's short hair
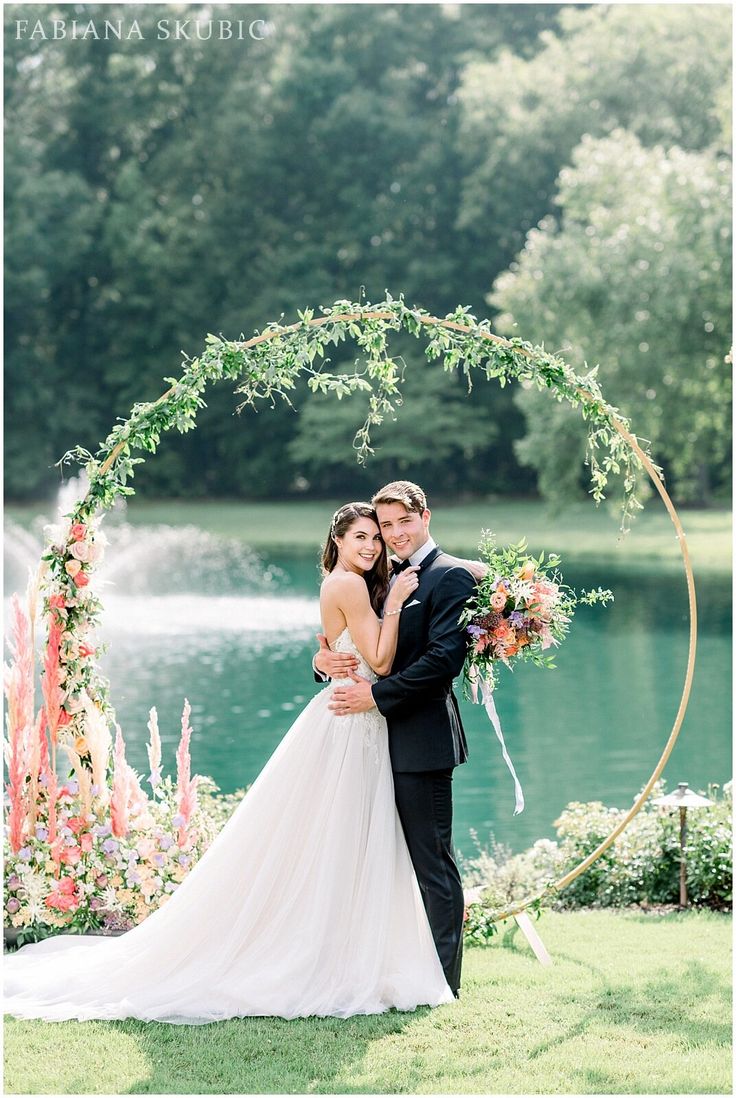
[(402, 491)]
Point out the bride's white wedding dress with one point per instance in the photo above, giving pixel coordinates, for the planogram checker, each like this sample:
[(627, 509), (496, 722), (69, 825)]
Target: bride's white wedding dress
[(306, 903)]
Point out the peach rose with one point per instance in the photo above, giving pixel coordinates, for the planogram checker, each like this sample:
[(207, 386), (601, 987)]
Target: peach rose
[(498, 600), (70, 855), (78, 531), (57, 602), (94, 552), (80, 745), (527, 572), (72, 568), (86, 842), (81, 579), (86, 650)]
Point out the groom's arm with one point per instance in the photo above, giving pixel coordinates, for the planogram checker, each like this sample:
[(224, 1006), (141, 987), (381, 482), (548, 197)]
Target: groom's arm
[(445, 652), (327, 664)]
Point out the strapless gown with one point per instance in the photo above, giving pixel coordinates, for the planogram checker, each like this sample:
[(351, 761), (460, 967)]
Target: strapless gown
[(306, 903)]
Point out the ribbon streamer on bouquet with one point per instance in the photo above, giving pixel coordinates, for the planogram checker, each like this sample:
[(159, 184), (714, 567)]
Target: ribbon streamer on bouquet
[(486, 694)]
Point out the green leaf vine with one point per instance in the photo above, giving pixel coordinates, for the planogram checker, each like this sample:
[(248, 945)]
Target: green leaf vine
[(268, 365)]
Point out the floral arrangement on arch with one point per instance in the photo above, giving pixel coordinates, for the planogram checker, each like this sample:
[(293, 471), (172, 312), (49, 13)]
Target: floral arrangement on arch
[(95, 852)]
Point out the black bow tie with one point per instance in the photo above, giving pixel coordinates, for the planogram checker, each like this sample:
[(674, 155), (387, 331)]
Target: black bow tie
[(399, 565)]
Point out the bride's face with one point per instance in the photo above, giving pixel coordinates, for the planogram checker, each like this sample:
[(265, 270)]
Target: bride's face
[(360, 546)]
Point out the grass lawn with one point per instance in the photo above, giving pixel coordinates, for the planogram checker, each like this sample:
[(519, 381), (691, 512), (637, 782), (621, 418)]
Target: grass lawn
[(633, 1003), (579, 533)]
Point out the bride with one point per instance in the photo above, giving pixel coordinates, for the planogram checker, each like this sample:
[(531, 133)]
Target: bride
[(306, 903)]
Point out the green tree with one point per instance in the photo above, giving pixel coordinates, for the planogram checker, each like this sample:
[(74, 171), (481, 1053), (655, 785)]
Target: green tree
[(661, 71), (637, 273), (211, 186)]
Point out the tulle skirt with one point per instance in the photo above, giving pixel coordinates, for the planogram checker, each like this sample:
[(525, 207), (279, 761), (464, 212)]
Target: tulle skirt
[(306, 903)]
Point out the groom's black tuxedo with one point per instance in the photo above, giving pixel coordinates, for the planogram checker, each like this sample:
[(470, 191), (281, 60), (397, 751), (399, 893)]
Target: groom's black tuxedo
[(426, 741), (424, 726)]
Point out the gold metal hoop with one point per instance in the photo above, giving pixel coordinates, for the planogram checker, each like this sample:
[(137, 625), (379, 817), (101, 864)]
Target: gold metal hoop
[(562, 882)]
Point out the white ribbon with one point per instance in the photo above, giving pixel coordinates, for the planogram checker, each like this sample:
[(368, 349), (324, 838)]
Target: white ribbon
[(486, 694)]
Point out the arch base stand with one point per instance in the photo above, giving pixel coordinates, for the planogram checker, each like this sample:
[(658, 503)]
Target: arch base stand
[(525, 924)]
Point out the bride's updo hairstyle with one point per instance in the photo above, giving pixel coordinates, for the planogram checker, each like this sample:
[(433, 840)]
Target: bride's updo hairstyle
[(377, 579)]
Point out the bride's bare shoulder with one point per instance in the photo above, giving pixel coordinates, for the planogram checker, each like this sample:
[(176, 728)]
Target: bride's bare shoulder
[(343, 583)]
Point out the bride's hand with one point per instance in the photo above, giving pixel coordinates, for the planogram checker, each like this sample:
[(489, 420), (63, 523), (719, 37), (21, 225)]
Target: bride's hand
[(478, 569), (404, 585)]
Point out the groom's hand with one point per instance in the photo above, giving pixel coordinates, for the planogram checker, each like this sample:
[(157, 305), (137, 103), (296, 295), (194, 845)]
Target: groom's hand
[(335, 665), (347, 700)]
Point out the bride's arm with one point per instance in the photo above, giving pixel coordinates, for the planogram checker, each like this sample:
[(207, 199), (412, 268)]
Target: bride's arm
[(375, 640)]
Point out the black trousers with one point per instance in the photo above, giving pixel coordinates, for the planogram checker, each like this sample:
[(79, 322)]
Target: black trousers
[(424, 803)]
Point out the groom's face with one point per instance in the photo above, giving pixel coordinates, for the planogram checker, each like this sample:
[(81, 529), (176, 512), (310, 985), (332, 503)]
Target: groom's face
[(403, 531)]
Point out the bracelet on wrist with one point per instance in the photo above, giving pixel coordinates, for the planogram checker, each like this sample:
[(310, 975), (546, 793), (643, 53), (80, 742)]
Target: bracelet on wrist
[(389, 613)]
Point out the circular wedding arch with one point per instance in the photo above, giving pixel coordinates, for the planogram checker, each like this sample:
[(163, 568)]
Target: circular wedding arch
[(268, 365)]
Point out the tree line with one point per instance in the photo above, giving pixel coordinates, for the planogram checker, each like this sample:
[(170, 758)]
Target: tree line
[(562, 170)]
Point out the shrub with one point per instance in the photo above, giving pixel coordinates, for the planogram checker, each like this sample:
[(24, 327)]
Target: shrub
[(642, 866)]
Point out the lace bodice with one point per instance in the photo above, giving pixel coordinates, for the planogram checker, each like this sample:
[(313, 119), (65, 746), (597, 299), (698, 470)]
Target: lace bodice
[(345, 643)]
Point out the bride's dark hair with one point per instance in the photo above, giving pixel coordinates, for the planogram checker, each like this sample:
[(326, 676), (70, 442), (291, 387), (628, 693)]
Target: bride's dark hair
[(377, 577)]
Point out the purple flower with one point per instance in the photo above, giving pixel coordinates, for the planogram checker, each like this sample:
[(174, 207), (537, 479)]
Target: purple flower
[(166, 842), (41, 832), (13, 882), (25, 853), (71, 787), (12, 905), (101, 880), (178, 820), (516, 618), (102, 829), (159, 859), (96, 903), (476, 631), (184, 859), (132, 877), (43, 780), (132, 855), (94, 789), (110, 846)]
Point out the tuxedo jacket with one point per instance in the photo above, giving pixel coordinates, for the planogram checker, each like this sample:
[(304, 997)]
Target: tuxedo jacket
[(425, 731)]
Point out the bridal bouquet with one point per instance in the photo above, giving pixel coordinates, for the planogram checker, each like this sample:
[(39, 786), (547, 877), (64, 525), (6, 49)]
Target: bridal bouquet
[(519, 610)]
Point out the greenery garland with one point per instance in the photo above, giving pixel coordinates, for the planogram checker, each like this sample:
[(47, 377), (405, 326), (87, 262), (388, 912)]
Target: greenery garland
[(269, 364)]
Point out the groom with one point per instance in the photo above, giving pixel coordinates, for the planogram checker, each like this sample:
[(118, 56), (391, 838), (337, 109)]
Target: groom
[(426, 737)]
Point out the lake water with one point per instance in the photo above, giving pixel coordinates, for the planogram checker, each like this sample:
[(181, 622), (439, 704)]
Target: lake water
[(189, 615)]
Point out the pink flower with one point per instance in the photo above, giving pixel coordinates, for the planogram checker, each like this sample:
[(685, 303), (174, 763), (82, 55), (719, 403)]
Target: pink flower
[(57, 602), (82, 579), (72, 568), (78, 531), (86, 650), (498, 600), (86, 842), (70, 855), (63, 903), (80, 551)]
